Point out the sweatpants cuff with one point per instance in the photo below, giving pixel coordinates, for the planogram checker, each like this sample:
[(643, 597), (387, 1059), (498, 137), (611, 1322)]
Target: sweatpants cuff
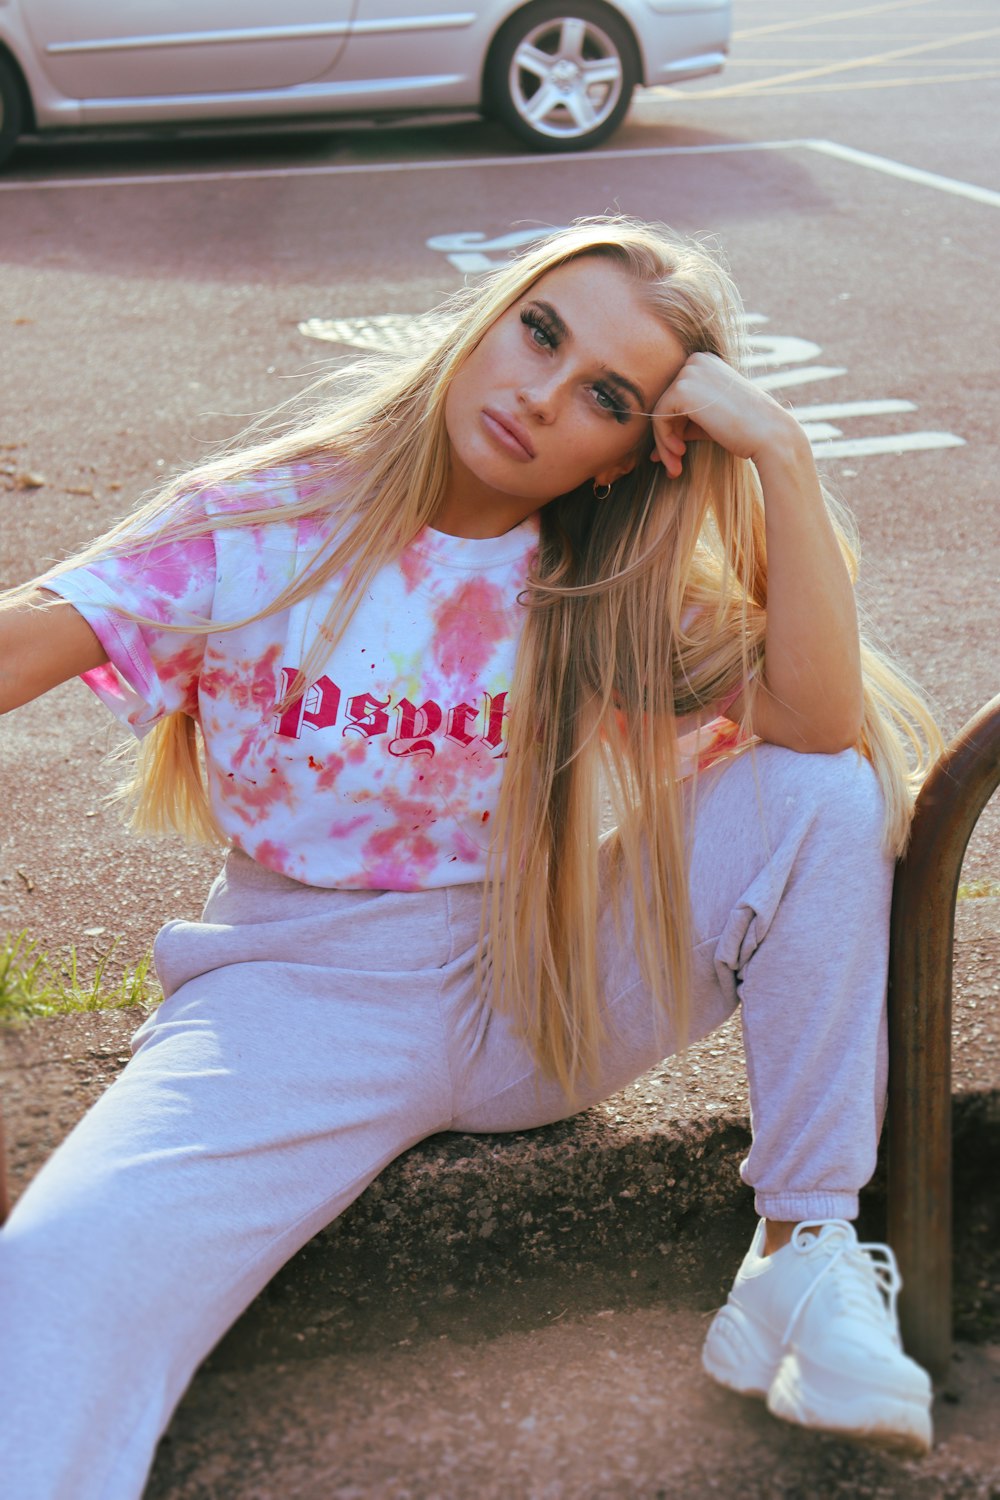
[(794, 1207)]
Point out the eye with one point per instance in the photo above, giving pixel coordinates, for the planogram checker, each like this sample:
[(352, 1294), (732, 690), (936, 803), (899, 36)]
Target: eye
[(609, 400), (542, 332)]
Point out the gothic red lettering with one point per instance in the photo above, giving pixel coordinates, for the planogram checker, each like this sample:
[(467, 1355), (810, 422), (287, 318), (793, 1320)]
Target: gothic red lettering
[(367, 715), (458, 723), (495, 716), (413, 728), (316, 709)]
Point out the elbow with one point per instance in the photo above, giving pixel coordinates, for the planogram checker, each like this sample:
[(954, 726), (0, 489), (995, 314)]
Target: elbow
[(837, 731), (825, 724), (833, 744)]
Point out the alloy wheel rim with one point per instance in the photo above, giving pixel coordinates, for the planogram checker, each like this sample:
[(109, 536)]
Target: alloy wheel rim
[(566, 78)]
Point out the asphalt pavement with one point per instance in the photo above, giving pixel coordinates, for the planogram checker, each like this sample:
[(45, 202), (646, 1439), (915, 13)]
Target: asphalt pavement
[(156, 295)]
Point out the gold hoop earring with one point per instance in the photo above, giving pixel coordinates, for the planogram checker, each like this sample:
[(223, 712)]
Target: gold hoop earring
[(601, 491)]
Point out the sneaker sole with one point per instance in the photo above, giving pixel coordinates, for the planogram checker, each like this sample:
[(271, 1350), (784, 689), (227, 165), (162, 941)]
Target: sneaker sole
[(736, 1355), (878, 1417)]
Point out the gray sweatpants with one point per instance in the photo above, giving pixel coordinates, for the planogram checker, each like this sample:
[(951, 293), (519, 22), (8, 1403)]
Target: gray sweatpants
[(309, 1036)]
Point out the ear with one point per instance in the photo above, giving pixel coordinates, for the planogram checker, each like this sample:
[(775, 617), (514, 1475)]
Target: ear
[(608, 476)]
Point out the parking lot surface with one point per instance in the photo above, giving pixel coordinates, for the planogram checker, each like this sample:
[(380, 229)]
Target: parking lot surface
[(157, 294)]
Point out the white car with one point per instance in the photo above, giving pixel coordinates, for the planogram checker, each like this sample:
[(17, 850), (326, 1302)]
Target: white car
[(560, 73)]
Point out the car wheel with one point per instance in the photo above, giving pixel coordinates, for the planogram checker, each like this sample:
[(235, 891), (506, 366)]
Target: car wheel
[(561, 74), (10, 109)]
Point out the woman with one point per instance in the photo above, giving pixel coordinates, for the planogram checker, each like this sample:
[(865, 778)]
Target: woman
[(568, 559)]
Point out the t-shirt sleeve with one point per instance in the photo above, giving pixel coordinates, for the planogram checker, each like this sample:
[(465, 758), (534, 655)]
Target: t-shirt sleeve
[(151, 671)]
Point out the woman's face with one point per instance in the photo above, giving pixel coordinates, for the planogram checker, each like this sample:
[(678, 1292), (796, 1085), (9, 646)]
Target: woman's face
[(554, 393)]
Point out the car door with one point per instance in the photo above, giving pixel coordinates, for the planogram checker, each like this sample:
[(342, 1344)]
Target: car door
[(114, 49), (421, 45)]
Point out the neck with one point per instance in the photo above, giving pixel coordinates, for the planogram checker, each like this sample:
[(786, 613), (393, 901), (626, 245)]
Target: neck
[(473, 522), (472, 509)]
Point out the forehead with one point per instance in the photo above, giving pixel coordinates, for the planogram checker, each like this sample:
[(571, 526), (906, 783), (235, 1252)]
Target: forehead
[(610, 320)]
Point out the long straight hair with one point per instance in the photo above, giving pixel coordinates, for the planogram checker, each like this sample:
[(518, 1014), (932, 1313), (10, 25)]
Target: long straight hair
[(641, 608)]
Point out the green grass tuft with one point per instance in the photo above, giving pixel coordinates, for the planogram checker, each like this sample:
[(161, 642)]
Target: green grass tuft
[(978, 890), (31, 984)]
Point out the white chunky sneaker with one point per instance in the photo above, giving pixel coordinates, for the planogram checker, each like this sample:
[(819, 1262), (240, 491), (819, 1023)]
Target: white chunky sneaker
[(813, 1329)]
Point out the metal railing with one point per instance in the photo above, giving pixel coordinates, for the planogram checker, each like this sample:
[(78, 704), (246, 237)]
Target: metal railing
[(920, 978)]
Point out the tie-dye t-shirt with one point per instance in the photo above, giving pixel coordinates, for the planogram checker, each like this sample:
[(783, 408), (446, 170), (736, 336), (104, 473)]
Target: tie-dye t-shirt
[(386, 773)]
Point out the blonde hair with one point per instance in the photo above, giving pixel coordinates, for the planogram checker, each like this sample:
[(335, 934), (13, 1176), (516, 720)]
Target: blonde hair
[(646, 606)]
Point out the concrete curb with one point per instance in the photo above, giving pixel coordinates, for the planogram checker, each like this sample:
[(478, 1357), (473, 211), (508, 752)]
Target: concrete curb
[(458, 1215)]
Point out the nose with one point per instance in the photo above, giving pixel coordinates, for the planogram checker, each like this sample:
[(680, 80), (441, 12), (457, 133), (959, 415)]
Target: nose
[(540, 399)]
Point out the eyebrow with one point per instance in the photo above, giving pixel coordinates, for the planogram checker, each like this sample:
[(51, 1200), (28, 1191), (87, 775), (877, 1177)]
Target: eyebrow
[(621, 381)]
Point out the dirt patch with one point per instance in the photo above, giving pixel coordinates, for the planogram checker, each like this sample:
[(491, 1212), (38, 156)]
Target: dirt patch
[(52, 1069)]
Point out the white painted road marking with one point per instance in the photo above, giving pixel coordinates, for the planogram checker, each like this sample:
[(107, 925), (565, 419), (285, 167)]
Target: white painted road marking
[(900, 442), (907, 174), (785, 379), (851, 409), (391, 332), (467, 251), (367, 169), (384, 333), (829, 148), (768, 350)]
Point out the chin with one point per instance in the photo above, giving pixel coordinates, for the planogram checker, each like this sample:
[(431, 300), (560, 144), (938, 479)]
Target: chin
[(485, 469)]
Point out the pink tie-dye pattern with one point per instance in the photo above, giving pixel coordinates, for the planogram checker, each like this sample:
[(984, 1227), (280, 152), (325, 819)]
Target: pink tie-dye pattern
[(246, 683), (343, 830), (343, 797), (169, 569), (399, 858), (104, 681), (329, 769), (275, 856), (415, 568), (254, 800), (467, 627)]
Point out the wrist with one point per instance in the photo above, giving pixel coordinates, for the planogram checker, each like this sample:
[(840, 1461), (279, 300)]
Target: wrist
[(785, 448)]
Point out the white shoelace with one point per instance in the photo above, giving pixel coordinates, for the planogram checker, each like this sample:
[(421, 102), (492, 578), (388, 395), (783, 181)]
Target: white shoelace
[(869, 1263)]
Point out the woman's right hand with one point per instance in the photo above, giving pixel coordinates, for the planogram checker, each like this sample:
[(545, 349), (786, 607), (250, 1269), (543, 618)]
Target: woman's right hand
[(43, 641), (709, 399)]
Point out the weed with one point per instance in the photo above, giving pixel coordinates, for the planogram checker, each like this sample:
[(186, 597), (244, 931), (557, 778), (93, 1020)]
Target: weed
[(978, 890), (31, 984)]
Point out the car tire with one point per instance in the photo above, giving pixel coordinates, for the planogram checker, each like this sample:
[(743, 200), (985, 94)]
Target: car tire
[(561, 74), (10, 109)]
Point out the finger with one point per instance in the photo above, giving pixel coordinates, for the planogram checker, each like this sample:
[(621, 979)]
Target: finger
[(673, 447), (672, 461)]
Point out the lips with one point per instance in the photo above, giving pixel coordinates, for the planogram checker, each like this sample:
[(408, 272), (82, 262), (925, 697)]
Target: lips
[(509, 433)]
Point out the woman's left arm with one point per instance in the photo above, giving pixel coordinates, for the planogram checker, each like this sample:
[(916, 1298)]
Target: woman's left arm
[(810, 695)]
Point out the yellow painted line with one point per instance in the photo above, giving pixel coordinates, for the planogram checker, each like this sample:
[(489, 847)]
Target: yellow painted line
[(850, 86), (844, 87), (832, 15), (777, 62), (859, 36), (873, 61)]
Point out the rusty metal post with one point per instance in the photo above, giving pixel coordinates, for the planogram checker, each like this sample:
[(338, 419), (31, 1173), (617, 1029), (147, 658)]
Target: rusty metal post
[(920, 974)]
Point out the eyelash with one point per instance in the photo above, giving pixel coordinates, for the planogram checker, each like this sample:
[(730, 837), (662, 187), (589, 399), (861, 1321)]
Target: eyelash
[(537, 321)]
